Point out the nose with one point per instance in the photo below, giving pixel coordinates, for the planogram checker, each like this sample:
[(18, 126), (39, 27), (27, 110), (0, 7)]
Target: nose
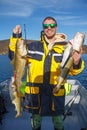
[(49, 27)]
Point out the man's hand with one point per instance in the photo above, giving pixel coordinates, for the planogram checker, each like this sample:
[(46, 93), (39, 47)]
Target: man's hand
[(17, 29)]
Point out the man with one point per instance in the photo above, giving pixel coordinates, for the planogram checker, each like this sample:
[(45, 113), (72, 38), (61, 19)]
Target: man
[(44, 69)]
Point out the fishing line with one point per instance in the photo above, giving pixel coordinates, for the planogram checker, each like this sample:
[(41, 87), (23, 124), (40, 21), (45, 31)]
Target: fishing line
[(32, 117), (25, 31), (28, 73)]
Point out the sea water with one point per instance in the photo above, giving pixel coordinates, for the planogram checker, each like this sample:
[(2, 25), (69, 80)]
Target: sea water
[(6, 70)]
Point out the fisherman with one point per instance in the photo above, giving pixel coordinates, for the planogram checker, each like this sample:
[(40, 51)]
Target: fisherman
[(45, 57)]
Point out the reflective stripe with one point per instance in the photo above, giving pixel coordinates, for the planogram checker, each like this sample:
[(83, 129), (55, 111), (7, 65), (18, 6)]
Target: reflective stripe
[(32, 107), (67, 87), (32, 90), (55, 54), (36, 52)]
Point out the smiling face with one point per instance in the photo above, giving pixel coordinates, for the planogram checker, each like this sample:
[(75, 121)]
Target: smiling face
[(49, 27)]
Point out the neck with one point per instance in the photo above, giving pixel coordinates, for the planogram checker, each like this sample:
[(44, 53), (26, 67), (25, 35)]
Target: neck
[(50, 39)]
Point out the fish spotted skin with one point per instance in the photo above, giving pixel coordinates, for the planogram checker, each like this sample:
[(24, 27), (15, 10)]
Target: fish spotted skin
[(19, 63)]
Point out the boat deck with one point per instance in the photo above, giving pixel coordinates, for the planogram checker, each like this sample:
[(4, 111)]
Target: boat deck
[(76, 121)]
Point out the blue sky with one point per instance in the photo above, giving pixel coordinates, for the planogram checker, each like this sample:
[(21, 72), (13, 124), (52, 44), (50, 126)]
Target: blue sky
[(71, 16)]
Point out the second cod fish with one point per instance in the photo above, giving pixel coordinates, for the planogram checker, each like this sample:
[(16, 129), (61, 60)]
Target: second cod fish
[(77, 43)]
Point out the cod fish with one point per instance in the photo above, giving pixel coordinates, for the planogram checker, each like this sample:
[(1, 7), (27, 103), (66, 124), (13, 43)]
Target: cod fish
[(19, 63), (77, 43)]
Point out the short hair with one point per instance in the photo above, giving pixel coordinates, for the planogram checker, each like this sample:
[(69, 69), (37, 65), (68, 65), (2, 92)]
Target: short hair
[(49, 17)]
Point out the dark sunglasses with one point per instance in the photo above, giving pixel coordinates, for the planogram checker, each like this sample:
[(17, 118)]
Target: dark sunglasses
[(52, 25)]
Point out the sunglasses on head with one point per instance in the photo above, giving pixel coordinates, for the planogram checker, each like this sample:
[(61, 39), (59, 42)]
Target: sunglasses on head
[(52, 25)]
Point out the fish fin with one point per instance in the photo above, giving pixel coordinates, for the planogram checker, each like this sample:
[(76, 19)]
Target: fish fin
[(55, 90), (20, 94), (17, 115), (12, 62)]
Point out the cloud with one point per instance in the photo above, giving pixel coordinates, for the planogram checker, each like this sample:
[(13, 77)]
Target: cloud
[(67, 17), (76, 23), (27, 7), (58, 8), (16, 8), (72, 20)]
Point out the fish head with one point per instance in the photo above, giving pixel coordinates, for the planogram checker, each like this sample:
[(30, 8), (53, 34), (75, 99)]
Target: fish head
[(78, 41)]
